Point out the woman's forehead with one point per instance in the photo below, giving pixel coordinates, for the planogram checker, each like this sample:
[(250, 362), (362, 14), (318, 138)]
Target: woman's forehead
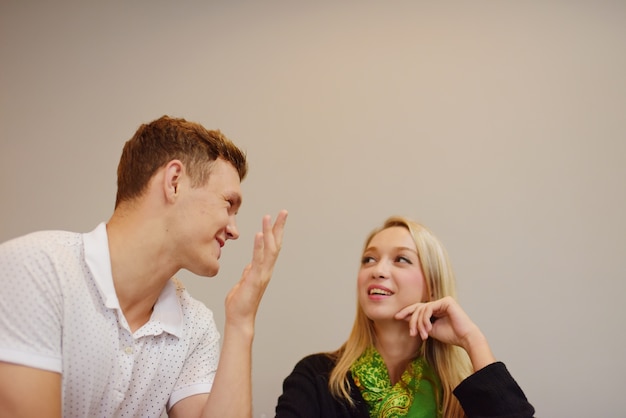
[(394, 236)]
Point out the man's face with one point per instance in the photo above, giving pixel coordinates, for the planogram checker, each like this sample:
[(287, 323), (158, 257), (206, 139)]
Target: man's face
[(206, 217)]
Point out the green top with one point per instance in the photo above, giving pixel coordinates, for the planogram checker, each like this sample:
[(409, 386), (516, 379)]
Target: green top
[(415, 395)]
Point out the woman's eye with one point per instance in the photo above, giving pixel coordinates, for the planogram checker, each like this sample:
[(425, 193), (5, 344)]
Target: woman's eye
[(402, 259), (367, 259)]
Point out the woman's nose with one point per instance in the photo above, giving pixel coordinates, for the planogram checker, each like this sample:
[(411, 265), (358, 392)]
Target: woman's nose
[(380, 271)]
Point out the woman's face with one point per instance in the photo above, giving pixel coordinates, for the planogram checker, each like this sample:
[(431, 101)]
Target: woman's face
[(390, 277)]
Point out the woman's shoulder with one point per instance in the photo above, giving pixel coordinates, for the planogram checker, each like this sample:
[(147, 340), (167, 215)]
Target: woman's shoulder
[(317, 362)]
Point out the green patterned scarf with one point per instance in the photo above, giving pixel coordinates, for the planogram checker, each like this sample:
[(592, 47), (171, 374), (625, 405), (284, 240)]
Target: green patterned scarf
[(414, 396)]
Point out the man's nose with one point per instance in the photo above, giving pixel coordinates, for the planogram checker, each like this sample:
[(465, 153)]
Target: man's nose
[(231, 231)]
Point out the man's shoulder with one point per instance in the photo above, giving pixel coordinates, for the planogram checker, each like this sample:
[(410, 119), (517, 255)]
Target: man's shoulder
[(44, 236), (45, 241), (191, 306)]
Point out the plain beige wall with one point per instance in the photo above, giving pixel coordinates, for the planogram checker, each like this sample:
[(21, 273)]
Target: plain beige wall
[(500, 125)]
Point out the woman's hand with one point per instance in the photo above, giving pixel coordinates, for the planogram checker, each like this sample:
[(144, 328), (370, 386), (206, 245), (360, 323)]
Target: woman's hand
[(445, 321)]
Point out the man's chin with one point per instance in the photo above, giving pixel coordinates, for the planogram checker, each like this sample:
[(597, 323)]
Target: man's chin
[(213, 272), (207, 271)]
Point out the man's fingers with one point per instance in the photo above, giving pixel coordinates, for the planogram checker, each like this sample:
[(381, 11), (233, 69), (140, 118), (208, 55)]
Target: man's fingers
[(259, 246), (279, 227), (267, 243), (273, 234)]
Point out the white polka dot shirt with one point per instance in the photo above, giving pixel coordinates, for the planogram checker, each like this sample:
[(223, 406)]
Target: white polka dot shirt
[(59, 312)]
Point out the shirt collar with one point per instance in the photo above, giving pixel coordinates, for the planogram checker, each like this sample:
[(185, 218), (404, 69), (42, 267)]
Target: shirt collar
[(167, 310)]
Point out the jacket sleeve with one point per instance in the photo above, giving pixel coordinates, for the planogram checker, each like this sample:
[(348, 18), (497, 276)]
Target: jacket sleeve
[(493, 393)]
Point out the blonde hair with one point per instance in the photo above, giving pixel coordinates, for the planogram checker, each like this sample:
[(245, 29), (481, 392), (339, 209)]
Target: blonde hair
[(451, 363)]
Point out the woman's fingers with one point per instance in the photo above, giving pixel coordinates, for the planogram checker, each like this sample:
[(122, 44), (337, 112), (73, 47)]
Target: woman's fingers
[(425, 325)]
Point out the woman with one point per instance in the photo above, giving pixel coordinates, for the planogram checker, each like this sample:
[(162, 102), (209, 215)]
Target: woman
[(412, 352)]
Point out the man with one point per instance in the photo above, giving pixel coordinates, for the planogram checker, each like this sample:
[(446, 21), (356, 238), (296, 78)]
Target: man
[(95, 325)]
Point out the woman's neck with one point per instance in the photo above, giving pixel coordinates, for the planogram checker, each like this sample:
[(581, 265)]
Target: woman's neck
[(397, 348)]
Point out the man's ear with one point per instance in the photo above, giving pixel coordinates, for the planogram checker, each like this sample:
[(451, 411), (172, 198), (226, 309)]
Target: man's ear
[(172, 177)]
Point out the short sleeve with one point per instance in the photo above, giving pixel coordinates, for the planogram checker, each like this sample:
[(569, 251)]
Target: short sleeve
[(200, 367), (30, 303)]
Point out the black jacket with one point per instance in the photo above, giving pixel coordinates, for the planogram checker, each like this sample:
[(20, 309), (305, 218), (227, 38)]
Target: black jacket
[(489, 393)]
